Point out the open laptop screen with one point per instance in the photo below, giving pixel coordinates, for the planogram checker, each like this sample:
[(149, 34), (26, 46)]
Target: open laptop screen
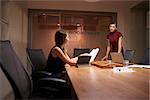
[(117, 57), (83, 59)]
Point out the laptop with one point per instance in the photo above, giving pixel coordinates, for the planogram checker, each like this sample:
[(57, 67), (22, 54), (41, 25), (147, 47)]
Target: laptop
[(93, 54), (87, 58), (78, 51), (117, 57), (83, 61)]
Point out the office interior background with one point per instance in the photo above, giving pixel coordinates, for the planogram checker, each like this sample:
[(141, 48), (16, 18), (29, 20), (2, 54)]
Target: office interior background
[(33, 24)]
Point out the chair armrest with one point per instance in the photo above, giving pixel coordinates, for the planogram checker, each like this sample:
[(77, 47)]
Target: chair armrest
[(44, 73), (51, 82), (41, 74)]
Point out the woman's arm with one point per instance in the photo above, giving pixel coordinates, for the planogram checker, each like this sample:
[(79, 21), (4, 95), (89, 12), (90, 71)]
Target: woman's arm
[(107, 52), (108, 48), (119, 44), (57, 52), (72, 59)]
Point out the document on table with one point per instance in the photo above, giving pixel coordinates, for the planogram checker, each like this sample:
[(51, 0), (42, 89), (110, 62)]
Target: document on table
[(139, 66)]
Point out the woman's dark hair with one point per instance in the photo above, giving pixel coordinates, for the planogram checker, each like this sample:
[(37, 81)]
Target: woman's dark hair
[(112, 23), (60, 37)]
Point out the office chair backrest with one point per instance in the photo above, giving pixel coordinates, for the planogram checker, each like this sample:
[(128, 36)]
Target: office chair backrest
[(37, 59), (128, 55), (15, 71), (145, 60), (78, 51)]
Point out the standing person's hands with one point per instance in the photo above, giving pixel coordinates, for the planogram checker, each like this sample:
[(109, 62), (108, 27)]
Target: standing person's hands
[(105, 58)]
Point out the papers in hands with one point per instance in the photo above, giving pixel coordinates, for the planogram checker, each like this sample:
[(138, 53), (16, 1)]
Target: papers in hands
[(93, 54)]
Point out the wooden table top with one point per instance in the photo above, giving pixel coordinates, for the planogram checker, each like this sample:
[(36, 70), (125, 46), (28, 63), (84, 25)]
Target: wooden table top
[(93, 83)]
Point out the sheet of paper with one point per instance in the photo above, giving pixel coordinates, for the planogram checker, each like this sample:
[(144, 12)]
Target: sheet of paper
[(122, 69), (139, 66), (93, 54)]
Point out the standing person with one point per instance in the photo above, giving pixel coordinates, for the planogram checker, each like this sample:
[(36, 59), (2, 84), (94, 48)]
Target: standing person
[(58, 56), (114, 41)]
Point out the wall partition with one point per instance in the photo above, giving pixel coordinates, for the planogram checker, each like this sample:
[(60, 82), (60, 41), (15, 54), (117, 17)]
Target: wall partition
[(85, 29), (4, 19)]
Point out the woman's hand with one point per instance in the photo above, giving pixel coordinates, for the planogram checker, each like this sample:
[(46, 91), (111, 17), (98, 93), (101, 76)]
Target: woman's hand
[(75, 59), (107, 52), (105, 58)]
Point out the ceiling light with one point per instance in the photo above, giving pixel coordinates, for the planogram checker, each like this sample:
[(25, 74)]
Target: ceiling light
[(43, 14), (58, 24), (78, 24)]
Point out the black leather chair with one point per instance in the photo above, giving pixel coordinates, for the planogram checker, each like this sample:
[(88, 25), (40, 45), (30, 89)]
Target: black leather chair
[(129, 54), (78, 51), (21, 81), (15, 71), (38, 63), (145, 59)]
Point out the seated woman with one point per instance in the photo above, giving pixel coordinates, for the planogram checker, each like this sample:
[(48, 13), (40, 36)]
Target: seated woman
[(58, 56)]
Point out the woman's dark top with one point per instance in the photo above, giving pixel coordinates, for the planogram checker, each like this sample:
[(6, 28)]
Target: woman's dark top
[(54, 64), (113, 38)]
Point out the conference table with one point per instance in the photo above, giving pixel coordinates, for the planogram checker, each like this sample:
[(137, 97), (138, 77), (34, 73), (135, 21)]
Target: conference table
[(93, 83)]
